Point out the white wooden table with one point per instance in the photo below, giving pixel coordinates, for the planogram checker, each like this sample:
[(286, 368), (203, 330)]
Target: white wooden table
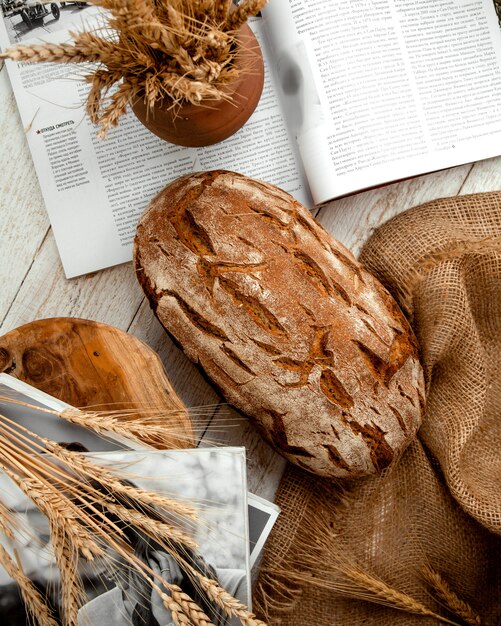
[(33, 285)]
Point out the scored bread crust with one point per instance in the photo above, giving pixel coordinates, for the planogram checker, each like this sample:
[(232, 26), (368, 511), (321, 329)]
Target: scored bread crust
[(284, 320)]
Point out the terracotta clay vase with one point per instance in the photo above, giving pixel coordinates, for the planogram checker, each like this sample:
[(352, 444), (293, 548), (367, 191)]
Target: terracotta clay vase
[(212, 121)]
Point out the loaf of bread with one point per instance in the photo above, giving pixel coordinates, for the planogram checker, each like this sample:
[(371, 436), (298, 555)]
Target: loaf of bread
[(285, 322)]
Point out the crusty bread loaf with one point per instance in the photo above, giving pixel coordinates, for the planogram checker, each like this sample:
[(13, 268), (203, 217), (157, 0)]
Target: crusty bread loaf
[(293, 331)]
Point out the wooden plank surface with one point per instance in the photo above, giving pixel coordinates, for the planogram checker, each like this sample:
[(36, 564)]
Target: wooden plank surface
[(23, 220), (34, 287)]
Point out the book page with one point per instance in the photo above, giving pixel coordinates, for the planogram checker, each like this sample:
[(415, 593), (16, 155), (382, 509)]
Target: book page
[(95, 190), (387, 88)]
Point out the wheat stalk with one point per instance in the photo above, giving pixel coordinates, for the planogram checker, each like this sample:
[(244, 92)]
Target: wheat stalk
[(380, 592), (177, 21), (68, 536), (359, 584), (101, 81), (81, 463), (40, 492), (223, 10), (6, 521), (114, 56), (230, 605), (119, 101), (72, 592), (57, 509), (48, 52), (245, 9), (151, 90), (152, 527), (190, 608), (131, 13), (141, 428), (33, 599), (445, 593), (178, 615), (143, 425), (215, 593)]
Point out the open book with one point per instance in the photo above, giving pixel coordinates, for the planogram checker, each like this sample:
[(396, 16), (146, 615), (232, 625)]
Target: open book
[(357, 94), (232, 524)]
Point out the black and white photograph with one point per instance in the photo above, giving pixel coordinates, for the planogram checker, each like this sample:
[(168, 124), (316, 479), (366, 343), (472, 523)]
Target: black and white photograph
[(262, 517), (213, 481), (497, 6), (31, 19)]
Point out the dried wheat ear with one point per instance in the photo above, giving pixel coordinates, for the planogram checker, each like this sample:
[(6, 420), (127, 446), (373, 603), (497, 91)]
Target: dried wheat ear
[(88, 508)]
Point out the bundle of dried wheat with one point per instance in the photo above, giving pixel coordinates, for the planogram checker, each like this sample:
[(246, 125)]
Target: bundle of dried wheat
[(328, 565), (170, 51), (93, 517)]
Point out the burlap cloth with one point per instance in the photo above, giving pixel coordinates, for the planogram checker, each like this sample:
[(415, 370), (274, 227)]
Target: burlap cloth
[(426, 536)]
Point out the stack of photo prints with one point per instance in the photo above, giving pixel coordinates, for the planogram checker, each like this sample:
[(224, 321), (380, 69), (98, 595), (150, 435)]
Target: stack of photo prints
[(231, 528)]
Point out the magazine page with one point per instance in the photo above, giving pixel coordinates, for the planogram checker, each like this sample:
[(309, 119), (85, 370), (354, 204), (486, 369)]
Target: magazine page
[(213, 480), (379, 91), (95, 190)]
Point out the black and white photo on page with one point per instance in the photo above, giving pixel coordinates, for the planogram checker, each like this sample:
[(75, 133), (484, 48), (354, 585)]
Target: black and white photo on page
[(497, 6), (213, 479), (29, 19), (262, 514)]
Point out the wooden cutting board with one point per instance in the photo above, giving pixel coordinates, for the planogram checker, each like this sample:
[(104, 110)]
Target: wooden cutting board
[(95, 366)]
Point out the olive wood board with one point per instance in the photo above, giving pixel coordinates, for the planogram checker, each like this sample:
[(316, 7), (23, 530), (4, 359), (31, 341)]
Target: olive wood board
[(95, 366)]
